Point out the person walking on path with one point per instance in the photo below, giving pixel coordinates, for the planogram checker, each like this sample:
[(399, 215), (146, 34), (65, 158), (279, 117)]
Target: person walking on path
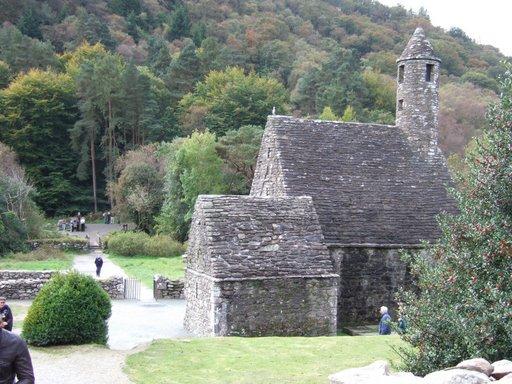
[(385, 322), (99, 263), (14, 358), (5, 314)]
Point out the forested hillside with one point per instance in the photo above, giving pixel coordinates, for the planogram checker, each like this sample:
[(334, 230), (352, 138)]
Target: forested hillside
[(85, 81)]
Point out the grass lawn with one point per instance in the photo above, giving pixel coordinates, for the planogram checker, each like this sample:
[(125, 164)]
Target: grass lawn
[(256, 360), (19, 310), (144, 267), (37, 265)]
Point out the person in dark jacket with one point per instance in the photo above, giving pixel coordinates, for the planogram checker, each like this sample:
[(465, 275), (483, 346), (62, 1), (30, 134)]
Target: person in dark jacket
[(99, 263), (15, 361), (6, 314), (385, 322)]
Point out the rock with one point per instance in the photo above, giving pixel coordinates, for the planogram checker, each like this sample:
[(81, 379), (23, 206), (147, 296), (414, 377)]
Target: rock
[(501, 368), (506, 379), (376, 373), (478, 365), (456, 376), (355, 375)]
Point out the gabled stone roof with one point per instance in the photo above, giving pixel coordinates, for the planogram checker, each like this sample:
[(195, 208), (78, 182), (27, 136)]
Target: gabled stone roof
[(238, 237), (418, 47), (367, 185)]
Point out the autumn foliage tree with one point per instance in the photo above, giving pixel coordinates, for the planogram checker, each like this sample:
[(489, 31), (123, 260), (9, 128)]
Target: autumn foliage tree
[(461, 306)]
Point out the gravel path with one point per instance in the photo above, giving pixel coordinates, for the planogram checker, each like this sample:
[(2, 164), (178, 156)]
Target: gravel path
[(86, 364)]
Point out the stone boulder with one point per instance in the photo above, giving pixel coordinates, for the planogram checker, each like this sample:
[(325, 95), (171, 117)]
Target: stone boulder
[(502, 368), (478, 365), (456, 376), (376, 373), (506, 380)]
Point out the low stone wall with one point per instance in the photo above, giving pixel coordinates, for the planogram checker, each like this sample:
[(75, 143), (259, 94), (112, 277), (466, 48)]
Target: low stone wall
[(24, 275), (369, 278), (25, 285), (21, 289), (164, 288), (64, 244), (114, 286)]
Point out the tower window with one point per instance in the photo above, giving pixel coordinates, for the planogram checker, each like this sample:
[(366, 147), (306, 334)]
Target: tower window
[(400, 105), (401, 73), (428, 74)]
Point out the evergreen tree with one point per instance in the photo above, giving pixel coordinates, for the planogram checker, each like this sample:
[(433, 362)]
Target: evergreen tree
[(125, 7), (461, 305), (93, 30), (132, 26), (30, 23), (183, 73), (179, 24)]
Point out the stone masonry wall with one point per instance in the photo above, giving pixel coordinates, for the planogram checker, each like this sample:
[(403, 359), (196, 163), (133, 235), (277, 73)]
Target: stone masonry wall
[(369, 279), (307, 307), (114, 286), (25, 285), (199, 319), (164, 288)]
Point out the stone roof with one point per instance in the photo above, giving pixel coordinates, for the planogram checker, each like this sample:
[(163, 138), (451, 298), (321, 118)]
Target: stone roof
[(237, 237), (368, 186), (418, 47)]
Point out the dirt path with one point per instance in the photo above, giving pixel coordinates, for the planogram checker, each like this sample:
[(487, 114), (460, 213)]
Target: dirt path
[(87, 364)]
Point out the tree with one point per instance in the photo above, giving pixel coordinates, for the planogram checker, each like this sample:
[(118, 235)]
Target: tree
[(38, 110), (23, 53), (125, 7), (18, 213), (461, 304), (5, 74), (328, 114), (93, 30), (193, 168), (239, 150), (30, 22), (98, 82), (179, 24), (227, 100), (349, 114), (138, 191)]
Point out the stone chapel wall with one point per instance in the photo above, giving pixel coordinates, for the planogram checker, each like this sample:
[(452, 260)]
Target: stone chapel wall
[(370, 276)]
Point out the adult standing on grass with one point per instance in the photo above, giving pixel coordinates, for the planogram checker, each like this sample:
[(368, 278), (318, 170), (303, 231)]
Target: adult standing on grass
[(15, 361), (99, 263), (6, 314), (385, 322)]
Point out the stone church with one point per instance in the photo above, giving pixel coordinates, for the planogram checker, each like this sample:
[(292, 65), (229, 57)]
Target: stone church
[(317, 242)]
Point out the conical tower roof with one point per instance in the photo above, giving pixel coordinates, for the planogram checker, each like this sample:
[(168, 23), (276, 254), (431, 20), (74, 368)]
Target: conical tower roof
[(418, 47)]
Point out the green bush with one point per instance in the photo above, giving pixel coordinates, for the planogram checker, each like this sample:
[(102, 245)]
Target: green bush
[(141, 244), (12, 233), (163, 246), (69, 309), (127, 243)]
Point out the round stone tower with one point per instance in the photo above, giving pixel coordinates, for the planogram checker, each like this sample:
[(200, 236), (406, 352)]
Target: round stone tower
[(417, 99)]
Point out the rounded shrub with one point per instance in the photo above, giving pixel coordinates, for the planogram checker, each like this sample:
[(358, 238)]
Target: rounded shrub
[(70, 309), (163, 246), (127, 243)]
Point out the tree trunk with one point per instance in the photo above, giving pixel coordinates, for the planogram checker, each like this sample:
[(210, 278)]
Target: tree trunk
[(93, 167)]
